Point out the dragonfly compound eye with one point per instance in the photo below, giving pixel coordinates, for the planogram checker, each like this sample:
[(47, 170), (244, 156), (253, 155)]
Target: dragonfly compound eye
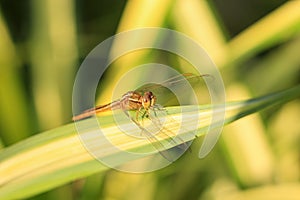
[(147, 99)]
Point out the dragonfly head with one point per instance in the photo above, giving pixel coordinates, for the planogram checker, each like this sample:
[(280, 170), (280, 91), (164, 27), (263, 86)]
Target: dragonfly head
[(149, 100)]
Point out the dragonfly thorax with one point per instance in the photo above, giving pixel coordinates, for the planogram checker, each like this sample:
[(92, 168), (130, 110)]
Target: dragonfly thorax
[(148, 100)]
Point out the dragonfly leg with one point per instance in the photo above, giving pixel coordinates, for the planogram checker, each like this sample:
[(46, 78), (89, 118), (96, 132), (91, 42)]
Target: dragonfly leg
[(182, 145), (155, 119), (130, 117), (137, 115), (137, 119), (145, 114)]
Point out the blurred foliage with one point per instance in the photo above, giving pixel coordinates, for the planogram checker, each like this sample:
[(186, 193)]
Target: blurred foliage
[(254, 43)]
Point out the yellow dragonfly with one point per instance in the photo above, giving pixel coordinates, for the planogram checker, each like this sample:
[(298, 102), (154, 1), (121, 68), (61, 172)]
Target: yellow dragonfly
[(142, 101)]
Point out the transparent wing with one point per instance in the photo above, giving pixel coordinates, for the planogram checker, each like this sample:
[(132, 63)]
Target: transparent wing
[(181, 84), (158, 113)]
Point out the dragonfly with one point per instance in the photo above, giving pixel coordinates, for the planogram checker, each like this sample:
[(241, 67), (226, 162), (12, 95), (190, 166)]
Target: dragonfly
[(142, 101)]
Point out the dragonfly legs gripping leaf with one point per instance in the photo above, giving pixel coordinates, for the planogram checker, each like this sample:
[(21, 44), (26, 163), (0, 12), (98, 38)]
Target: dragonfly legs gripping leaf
[(155, 121)]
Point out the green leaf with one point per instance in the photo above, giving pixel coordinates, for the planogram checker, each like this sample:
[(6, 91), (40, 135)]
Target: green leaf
[(57, 156), (280, 25)]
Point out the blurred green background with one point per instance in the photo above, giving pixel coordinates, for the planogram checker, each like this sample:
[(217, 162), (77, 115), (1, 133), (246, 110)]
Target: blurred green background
[(254, 43)]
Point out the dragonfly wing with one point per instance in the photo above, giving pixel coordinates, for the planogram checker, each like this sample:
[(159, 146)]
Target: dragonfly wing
[(160, 112), (181, 84), (158, 145)]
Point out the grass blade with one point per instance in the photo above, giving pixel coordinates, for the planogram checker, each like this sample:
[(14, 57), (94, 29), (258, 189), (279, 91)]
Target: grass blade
[(57, 156)]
